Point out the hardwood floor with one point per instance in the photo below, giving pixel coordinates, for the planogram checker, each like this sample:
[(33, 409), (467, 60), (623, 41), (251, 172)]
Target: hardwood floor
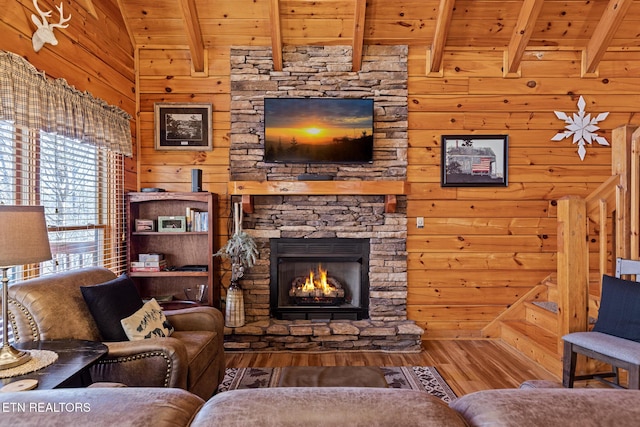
[(466, 365)]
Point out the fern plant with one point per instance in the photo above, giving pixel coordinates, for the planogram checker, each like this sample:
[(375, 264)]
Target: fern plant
[(240, 249)]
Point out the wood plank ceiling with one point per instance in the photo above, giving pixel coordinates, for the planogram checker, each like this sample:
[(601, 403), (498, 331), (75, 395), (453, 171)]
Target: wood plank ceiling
[(513, 27)]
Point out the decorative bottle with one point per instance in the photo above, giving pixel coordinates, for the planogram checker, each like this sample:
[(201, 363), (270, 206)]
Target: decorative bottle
[(234, 310)]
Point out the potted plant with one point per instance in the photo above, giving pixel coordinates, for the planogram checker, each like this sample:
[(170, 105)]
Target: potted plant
[(241, 250)]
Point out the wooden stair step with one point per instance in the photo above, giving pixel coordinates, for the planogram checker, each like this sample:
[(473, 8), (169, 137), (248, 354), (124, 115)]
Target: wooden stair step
[(594, 297), (552, 291), (546, 306), (594, 294), (594, 289), (536, 343), (543, 314), (545, 339)]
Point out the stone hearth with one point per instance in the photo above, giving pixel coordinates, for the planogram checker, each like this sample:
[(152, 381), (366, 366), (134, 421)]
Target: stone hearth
[(279, 335), (325, 72)]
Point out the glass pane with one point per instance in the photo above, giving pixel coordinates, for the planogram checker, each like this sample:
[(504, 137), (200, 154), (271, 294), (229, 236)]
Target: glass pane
[(7, 164), (68, 182)]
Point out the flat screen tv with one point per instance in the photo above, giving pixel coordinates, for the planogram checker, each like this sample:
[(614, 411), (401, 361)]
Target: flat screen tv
[(318, 130)]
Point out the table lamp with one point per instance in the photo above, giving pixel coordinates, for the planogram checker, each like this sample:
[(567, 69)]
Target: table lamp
[(23, 240)]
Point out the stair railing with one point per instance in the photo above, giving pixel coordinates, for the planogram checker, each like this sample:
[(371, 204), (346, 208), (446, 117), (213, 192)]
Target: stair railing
[(612, 212)]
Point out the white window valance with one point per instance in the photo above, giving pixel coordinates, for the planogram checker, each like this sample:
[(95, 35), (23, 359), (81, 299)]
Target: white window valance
[(29, 99)]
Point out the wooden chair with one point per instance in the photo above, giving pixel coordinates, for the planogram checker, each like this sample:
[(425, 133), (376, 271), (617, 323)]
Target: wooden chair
[(620, 353)]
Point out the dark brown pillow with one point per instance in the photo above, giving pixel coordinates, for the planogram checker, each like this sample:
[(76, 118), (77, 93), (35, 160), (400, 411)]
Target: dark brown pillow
[(110, 302)]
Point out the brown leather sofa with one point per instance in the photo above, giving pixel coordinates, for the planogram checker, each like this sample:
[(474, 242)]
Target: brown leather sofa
[(321, 407), (192, 358)]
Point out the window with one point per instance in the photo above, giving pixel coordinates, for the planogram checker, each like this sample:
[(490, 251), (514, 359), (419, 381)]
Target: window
[(80, 186)]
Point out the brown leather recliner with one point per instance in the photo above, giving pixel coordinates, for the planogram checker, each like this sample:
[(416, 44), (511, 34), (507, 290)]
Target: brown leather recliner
[(192, 358)]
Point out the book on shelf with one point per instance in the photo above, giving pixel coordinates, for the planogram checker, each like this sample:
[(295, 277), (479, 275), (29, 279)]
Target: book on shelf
[(162, 263), (147, 269), (197, 220), (150, 266), (150, 257)]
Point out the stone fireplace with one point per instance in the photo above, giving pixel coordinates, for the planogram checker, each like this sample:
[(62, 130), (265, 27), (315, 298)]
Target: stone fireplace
[(310, 221)]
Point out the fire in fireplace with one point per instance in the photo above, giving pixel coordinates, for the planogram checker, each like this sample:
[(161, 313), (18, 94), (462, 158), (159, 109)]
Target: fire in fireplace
[(324, 278), (318, 288)]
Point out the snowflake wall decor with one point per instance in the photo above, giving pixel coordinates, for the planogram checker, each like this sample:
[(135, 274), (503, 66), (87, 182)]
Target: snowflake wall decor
[(581, 127)]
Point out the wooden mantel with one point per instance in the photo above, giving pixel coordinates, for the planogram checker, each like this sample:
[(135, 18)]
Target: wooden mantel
[(389, 189)]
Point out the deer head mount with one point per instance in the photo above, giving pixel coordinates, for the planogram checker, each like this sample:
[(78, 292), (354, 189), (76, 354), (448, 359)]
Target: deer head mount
[(44, 33)]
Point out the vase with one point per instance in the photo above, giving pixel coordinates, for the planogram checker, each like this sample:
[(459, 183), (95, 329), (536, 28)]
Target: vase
[(234, 309)]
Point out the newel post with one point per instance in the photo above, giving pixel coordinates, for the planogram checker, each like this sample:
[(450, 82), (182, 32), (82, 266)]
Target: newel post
[(624, 162), (573, 266)]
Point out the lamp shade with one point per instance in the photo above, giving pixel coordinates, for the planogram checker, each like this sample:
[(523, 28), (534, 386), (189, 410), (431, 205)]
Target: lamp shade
[(23, 235)]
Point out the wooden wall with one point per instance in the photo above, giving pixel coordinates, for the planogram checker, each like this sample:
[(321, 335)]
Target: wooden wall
[(481, 248), (93, 54), (164, 75)]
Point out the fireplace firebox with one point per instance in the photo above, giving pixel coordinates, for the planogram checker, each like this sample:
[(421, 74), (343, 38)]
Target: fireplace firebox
[(319, 279)]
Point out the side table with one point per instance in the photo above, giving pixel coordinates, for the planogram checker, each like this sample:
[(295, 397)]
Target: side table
[(71, 367)]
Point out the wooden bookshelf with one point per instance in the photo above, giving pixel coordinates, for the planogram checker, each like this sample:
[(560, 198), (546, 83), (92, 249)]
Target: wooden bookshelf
[(179, 248)]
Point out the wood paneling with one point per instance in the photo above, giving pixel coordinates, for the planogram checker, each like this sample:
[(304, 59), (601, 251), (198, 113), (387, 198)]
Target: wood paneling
[(483, 248), (164, 75), (481, 226), (513, 261)]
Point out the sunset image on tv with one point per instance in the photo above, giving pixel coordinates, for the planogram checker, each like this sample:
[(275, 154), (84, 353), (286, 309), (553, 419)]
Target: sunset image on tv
[(304, 130)]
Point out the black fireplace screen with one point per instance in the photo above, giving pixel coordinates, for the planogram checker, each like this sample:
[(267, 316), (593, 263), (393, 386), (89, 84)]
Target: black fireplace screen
[(319, 278)]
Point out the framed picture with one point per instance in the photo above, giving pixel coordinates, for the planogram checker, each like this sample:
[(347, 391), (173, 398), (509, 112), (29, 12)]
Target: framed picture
[(474, 160), (183, 126), (144, 225), (172, 224)]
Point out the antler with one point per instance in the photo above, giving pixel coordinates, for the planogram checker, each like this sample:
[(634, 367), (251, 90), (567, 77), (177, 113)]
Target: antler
[(62, 18), (43, 15)]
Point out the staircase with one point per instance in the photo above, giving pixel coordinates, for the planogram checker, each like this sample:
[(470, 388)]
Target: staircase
[(530, 326), (568, 300), (533, 331)]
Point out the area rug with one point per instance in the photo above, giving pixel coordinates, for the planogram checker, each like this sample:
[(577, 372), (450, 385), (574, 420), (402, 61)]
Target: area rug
[(421, 378)]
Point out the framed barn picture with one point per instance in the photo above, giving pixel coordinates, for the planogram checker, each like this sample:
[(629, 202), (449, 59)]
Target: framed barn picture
[(474, 160), (183, 126)]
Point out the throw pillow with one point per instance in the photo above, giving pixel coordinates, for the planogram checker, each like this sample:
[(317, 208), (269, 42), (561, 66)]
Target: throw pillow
[(619, 313), (111, 301), (148, 322)]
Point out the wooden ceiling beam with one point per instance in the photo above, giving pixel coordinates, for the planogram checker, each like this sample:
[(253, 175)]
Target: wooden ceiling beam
[(276, 34), (89, 7), (435, 53), (527, 18), (603, 34), (194, 35), (132, 37), (358, 34)]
